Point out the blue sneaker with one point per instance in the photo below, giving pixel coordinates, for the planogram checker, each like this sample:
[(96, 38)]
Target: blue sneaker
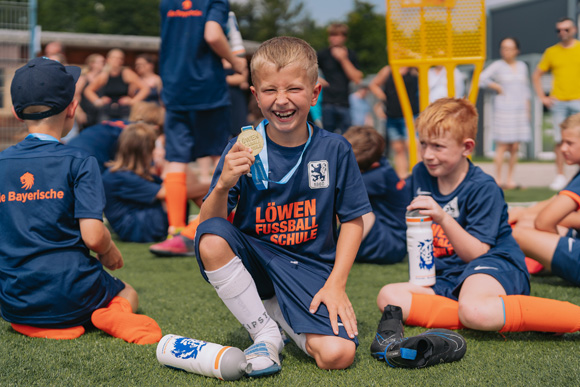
[(263, 349), (390, 329), (432, 347)]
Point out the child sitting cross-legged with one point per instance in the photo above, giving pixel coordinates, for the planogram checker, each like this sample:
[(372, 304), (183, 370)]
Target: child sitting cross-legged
[(548, 231), (482, 282), (50, 285), (384, 239)]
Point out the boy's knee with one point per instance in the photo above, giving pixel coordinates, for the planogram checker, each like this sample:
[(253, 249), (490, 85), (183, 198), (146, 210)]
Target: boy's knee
[(474, 315), (386, 296), (209, 245), (334, 354)]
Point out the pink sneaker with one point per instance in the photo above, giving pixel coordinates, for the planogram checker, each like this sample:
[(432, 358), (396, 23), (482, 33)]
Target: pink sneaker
[(178, 246)]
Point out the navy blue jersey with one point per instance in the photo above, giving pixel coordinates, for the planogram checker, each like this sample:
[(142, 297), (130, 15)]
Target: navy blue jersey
[(100, 140), (132, 209), (300, 216), (478, 205), (193, 75), (572, 190), (47, 275), (389, 196)]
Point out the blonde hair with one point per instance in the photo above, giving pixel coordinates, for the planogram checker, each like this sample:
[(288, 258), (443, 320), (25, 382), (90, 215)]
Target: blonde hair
[(284, 51), (148, 112), (572, 121), (456, 116), (135, 150), (367, 145)]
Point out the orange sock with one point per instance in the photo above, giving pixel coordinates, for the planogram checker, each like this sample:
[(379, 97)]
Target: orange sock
[(432, 311), (176, 198), (189, 231), (49, 333), (118, 320), (526, 313)]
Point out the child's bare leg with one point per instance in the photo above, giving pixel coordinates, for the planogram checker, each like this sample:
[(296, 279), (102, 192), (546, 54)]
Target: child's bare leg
[(480, 306), (196, 190), (330, 352), (400, 158), (400, 294), (498, 161), (539, 245)]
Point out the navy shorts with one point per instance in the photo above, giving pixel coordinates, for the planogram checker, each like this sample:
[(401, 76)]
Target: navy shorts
[(292, 278), (382, 245), (566, 259), (193, 134), (513, 280), (397, 128)]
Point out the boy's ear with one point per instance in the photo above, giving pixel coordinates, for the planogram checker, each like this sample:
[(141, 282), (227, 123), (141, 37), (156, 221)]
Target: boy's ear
[(14, 112), (468, 146), (255, 93), (316, 93), (71, 108)]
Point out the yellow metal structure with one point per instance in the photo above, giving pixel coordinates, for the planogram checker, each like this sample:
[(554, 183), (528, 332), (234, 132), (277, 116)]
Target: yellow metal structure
[(427, 33)]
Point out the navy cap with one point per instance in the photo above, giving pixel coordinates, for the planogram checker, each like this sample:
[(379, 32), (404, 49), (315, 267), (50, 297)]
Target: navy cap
[(43, 82)]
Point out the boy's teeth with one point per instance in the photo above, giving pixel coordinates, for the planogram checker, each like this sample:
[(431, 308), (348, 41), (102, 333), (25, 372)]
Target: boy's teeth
[(284, 115)]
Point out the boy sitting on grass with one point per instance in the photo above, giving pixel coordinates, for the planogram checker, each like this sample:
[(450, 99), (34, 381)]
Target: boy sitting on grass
[(384, 239), (548, 231), (283, 245), (482, 281), (52, 203)]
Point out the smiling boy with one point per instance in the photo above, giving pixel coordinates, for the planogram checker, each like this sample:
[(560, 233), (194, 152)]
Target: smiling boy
[(482, 281), (283, 245)]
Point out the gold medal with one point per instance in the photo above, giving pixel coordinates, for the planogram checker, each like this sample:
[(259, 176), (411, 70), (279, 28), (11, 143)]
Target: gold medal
[(251, 139)]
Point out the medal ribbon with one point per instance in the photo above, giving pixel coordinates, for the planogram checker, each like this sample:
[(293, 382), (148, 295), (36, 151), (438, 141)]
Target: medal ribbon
[(260, 167)]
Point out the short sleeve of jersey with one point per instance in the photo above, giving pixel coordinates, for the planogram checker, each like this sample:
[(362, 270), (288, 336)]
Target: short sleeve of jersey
[(88, 189), (352, 198), (545, 63), (218, 12), (572, 190), (484, 210)]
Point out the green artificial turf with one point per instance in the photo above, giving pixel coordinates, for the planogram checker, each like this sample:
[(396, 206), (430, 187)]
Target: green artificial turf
[(173, 292)]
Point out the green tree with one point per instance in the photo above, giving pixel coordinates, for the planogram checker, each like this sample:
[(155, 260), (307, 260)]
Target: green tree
[(368, 36), (135, 17)]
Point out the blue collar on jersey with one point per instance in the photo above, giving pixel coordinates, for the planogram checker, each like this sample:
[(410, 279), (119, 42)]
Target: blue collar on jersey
[(260, 167), (42, 136)]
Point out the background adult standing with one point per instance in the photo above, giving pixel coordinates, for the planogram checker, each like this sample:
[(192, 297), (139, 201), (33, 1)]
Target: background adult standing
[(195, 92), (508, 77), (339, 66), (563, 60)]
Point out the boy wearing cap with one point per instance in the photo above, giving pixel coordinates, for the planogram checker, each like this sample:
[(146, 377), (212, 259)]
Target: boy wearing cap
[(52, 203)]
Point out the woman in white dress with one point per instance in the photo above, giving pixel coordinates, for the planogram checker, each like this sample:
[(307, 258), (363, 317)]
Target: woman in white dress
[(508, 77)]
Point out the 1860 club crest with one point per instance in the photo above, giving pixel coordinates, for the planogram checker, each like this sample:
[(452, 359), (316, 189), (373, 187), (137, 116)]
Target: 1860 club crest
[(318, 174)]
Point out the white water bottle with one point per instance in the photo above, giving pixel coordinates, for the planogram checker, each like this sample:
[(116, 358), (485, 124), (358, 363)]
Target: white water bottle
[(203, 358), (420, 248), (234, 36)]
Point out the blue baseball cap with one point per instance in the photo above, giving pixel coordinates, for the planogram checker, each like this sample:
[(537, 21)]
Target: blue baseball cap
[(43, 82)]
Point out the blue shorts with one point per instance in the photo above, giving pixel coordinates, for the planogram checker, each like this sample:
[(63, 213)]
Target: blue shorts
[(193, 134), (560, 111), (292, 278), (397, 128), (382, 245), (513, 280), (566, 259)]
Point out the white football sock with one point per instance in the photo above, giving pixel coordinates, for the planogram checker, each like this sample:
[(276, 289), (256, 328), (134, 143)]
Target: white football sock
[(237, 289), (273, 309)]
